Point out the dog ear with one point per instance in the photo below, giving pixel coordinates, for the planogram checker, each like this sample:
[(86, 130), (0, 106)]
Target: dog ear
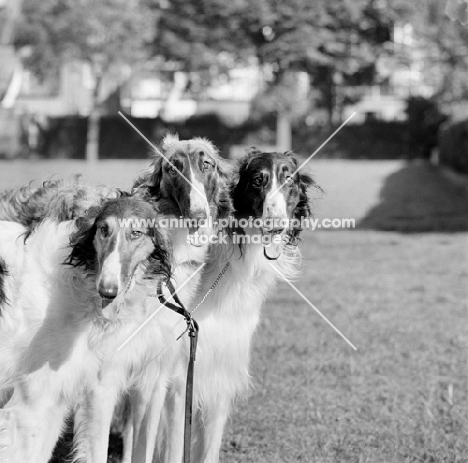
[(151, 179), (239, 182), (83, 252), (159, 262), (156, 175), (227, 178), (303, 208)]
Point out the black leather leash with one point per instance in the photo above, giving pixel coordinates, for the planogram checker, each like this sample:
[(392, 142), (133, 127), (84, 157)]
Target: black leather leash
[(192, 329)]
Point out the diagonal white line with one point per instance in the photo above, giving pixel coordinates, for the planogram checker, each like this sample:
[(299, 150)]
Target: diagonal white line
[(314, 153), (158, 309), (158, 151), (315, 308)]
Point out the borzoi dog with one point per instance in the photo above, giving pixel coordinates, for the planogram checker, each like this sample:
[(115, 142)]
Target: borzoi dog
[(195, 183), (190, 182), (61, 325), (230, 313), (204, 197), (56, 199)]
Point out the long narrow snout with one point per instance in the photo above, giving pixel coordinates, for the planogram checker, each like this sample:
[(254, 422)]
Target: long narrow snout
[(275, 217), (109, 281), (199, 208), (199, 212)]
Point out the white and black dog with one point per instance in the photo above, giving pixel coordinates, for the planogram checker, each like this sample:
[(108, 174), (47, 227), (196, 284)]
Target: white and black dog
[(61, 324)]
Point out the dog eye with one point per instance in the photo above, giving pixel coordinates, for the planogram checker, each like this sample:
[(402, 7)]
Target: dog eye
[(172, 170), (289, 180), (207, 166), (104, 230), (135, 234), (258, 181)]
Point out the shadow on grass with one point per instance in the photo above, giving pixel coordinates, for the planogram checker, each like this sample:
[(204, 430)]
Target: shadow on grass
[(421, 198)]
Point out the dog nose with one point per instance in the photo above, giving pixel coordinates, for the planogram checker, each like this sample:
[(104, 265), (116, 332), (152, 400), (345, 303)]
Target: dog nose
[(199, 214), (109, 292)]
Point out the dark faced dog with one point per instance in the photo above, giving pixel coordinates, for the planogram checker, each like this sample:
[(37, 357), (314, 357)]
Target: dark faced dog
[(270, 188)]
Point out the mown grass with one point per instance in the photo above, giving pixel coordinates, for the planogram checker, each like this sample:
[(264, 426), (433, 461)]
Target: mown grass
[(401, 299), (402, 396)]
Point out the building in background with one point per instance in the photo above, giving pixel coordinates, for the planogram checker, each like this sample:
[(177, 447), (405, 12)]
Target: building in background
[(158, 91), (175, 95)]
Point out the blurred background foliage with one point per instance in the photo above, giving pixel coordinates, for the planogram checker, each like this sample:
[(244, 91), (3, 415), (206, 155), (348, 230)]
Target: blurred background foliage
[(314, 57)]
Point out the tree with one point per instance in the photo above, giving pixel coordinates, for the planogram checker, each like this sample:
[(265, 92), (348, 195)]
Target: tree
[(331, 41), (106, 34), (439, 45)]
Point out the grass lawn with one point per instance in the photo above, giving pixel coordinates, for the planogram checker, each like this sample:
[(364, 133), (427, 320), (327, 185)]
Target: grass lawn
[(403, 396), (401, 299)]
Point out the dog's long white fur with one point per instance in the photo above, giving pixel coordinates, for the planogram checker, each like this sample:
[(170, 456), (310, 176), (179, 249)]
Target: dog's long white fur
[(149, 392), (228, 319), (58, 353), (43, 330)]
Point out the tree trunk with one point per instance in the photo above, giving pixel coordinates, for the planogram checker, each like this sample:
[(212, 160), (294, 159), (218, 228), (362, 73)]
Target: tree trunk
[(283, 132), (330, 96), (12, 12), (92, 139)]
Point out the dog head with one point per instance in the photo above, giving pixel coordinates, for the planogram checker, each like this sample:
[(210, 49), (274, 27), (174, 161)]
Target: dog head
[(117, 239), (270, 187), (192, 177)]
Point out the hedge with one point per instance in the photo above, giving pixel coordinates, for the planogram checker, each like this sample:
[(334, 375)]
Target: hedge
[(66, 137), (453, 146)]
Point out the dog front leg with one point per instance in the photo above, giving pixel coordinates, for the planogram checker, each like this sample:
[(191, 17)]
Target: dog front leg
[(174, 409), (127, 437), (212, 429), (30, 425), (147, 405), (93, 420)]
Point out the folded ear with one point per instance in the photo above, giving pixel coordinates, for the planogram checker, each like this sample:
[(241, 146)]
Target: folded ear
[(225, 170), (151, 178), (226, 180), (83, 252), (159, 262), (303, 208)]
